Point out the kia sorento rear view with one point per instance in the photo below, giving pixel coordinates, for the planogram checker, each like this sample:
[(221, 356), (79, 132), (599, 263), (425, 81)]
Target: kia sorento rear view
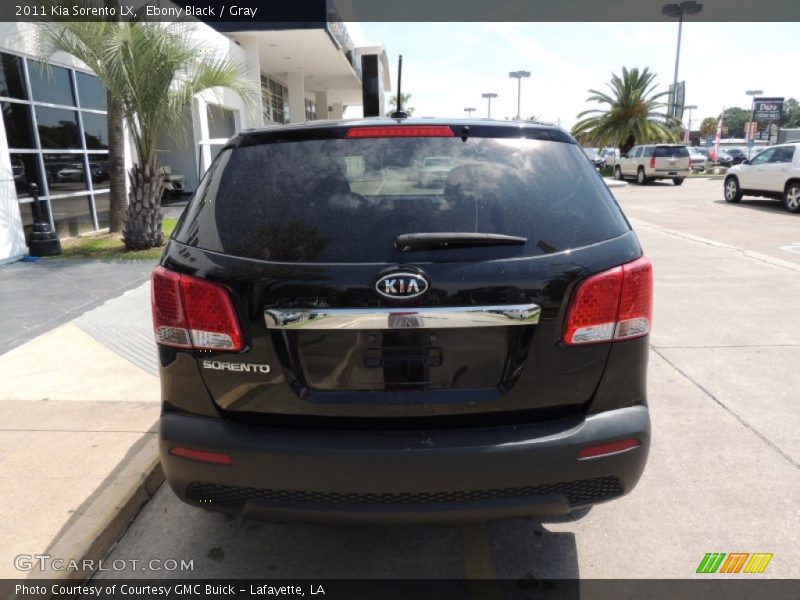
[(349, 334)]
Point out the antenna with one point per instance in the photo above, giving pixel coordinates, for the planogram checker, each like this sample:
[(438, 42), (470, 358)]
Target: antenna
[(399, 113)]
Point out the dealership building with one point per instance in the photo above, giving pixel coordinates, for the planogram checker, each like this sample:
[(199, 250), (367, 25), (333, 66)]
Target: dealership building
[(54, 129)]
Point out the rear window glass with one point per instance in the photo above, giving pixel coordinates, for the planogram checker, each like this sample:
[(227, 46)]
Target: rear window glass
[(347, 200), (671, 151)]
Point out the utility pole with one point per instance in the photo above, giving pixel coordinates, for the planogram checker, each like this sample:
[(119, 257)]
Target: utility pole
[(519, 75), (489, 96), (688, 7)]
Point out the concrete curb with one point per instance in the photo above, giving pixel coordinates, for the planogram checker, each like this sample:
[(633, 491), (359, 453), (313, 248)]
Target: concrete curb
[(103, 518), (612, 183)]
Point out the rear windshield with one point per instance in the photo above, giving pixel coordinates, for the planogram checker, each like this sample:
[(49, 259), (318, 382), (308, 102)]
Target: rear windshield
[(671, 151), (347, 200)]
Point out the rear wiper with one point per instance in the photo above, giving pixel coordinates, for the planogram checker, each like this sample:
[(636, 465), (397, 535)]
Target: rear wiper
[(432, 241)]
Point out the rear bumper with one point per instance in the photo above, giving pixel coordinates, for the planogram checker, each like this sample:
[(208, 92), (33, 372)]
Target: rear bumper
[(391, 476), (668, 173)]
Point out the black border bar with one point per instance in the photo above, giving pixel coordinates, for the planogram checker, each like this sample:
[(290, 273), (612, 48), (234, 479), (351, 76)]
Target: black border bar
[(256, 15), (711, 587)]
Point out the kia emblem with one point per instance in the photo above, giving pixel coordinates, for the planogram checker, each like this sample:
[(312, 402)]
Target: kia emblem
[(401, 286)]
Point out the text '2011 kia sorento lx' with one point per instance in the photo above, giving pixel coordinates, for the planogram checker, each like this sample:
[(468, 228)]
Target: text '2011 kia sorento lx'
[(339, 342)]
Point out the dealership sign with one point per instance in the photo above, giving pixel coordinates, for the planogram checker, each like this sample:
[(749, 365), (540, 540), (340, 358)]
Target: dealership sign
[(768, 109)]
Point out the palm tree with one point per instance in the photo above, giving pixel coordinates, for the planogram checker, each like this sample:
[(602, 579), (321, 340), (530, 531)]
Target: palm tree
[(152, 71), (404, 98), (632, 116)]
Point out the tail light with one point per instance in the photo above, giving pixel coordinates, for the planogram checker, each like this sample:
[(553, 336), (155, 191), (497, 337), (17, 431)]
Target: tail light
[(611, 448), (613, 305), (652, 162), (217, 458), (193, 313), (400, 131)]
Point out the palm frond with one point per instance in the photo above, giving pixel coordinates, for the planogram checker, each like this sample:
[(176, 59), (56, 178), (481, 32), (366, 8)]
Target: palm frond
[(153, 69), (631, 111)]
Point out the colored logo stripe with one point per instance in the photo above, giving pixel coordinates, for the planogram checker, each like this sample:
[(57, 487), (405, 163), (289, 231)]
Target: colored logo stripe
[(758, 562), (734, 562), (713, 562)]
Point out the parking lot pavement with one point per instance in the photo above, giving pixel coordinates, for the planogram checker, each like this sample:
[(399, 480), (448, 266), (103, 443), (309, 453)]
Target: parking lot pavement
[(697, 209), (724, 468)]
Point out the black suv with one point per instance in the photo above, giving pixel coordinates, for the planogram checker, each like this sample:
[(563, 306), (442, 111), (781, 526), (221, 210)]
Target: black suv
[(339, 342)]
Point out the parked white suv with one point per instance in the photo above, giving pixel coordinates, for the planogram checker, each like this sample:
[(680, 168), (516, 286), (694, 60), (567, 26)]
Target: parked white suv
[(654, 161), (772, 173), (610, 156)]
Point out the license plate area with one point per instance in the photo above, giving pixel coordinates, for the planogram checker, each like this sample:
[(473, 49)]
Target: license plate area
[(470, 358)]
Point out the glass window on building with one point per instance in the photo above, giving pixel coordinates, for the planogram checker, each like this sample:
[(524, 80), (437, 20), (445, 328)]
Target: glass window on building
[(91, 92), (98, 167), (311, 110), (65, 173), (11, 77), (95, 130), (58, 128), (221, 122), (275, 101), (19, 129), (26, 170), (102, 204), (57, 133), (72, 215), (52, 85)]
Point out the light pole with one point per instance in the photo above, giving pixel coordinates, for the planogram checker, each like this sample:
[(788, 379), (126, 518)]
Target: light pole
[(469, 112), (752, 94), (489, 96), (518, 75), (688, 7), (688, 136)]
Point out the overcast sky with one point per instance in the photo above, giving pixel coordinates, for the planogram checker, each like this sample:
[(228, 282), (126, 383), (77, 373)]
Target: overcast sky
[(447, 66)]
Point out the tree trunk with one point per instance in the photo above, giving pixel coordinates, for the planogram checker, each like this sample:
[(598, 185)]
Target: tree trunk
[(143, 225), (116, 166), (629, 143)]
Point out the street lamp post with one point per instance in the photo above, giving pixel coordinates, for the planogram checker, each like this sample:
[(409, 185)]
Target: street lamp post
[(752, 94), (688, 136), (518, 75), (469, 112), (489, 96), (688, 7)]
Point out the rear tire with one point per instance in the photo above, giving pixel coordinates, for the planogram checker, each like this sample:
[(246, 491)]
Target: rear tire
[(617, 173), (677, 180), (733, 193), (791, 197), (641, 178)]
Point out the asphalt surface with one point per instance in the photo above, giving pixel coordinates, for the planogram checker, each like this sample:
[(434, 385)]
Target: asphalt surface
[(724, 467)]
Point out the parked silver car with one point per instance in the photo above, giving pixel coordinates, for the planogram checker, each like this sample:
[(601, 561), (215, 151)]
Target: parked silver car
[(654, 161), (698, 161)]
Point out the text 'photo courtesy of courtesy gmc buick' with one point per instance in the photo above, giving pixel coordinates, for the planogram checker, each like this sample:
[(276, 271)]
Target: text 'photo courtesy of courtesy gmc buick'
[(347, 334)]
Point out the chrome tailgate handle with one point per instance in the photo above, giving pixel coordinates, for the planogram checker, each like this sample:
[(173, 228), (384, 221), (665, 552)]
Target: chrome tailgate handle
[(445, 317)]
